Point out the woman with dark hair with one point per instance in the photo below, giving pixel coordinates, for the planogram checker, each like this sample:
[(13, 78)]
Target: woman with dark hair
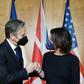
[(59, 66)]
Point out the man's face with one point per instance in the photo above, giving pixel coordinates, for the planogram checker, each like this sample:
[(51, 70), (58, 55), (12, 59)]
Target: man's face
[(20, 34)]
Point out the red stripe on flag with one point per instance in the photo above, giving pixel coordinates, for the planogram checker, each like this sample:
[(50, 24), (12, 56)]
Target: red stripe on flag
[(82, 69), (37, 55), (28, 81)]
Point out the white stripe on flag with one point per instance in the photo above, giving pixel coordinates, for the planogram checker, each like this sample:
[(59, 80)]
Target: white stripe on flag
[(37, 81)]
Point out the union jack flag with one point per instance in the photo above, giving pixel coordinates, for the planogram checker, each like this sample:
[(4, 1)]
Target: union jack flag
[(42, 43)]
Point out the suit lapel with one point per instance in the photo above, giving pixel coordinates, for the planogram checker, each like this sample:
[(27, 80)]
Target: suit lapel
[(11, 52)]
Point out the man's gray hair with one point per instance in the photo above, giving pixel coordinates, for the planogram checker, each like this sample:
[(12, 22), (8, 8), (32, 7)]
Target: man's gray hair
[(13, 26)]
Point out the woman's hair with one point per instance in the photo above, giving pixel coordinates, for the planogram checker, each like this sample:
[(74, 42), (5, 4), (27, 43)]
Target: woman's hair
[(61, 39)]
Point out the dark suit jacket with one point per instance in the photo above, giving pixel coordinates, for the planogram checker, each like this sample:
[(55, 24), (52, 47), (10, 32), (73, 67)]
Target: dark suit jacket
[(11, 70)]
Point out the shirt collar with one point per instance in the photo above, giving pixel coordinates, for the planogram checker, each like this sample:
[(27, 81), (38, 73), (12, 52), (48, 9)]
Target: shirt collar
[(11, 44)]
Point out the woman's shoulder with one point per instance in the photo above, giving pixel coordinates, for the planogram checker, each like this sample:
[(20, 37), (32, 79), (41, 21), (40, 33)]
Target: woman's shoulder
[(73, 57), (48, 53)]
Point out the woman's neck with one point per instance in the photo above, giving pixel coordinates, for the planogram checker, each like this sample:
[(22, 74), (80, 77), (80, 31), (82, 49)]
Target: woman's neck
[(57, 52)]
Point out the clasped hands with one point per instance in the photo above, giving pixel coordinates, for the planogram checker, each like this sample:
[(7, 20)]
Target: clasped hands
[(30, 67)]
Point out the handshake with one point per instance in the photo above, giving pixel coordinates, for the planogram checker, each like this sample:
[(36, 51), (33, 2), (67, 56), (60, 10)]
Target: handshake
[(33, 67)]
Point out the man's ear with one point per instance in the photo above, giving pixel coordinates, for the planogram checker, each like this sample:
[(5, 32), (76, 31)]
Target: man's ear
[(12, 36)]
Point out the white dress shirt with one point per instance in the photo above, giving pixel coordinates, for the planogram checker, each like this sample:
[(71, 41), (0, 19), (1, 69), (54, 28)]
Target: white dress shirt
[(12, 45)]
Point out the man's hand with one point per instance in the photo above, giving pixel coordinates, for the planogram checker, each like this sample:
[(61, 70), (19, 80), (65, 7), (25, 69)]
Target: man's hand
[(37, 67), (39, 70), (30, 67)]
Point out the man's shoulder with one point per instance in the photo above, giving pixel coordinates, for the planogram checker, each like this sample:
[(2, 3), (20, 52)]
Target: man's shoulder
[(2, 45)]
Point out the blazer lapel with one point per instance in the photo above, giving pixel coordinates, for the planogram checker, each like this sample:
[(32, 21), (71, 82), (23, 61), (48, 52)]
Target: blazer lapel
[(11, 52)]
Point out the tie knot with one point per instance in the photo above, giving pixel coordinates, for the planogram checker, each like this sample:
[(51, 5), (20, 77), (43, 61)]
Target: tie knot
[(17, 48)]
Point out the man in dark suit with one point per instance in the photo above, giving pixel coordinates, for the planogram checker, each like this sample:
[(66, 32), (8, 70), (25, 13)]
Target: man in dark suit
[(11, 61)]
